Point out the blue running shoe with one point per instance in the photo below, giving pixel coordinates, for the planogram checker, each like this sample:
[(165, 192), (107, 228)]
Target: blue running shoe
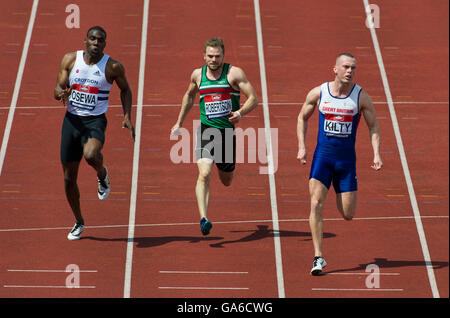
[(205, 226)]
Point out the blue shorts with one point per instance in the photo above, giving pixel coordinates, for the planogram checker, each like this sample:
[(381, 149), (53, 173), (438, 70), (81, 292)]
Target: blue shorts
[(341, 172)]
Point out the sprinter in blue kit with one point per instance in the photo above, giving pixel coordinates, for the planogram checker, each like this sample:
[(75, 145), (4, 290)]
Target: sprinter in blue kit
[(341, 104)]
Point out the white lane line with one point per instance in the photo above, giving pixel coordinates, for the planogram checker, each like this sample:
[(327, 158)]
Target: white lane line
[(51, 271), (358, 289), (206, 288), (134, 182), (15, 96), (270, 160), (221, 222), (271, 103), (41, 286), (363, 274), (200, 272), (412, 195)]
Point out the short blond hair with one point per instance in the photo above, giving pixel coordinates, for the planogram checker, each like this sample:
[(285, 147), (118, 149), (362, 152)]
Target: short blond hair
[(214, 42)]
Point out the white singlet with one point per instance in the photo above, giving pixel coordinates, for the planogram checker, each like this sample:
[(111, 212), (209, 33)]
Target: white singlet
[(90, 89)]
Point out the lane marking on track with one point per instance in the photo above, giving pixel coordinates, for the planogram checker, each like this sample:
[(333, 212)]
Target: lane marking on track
[(254, 116), (409, 183), (363, 274), (51, 271), (207, 288), (270, 160), (17, 84), (381, 218), (40, 286), (134, 182), (358, 289), (200, 272)]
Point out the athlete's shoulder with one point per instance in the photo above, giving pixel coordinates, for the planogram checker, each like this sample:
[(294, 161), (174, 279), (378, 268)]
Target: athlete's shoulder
[(69, 58), (235, 71), (68, 61), (314, 93), (364, 99), (196, 75), (114, 68)]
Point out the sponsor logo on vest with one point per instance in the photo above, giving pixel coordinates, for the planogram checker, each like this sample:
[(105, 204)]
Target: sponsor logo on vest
[(85, 81)]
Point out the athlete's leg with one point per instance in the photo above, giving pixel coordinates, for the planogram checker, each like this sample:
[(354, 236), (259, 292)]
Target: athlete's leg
[(205, 166), (346, 204), (318, 192), (226, 177), (92, 153), (70, 170)]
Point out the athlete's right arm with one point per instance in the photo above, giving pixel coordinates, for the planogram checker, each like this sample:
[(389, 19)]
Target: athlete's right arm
[(62, 89), (302, 122), (188, 100)]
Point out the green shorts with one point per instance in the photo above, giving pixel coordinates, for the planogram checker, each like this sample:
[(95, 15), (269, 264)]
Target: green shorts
[(76, 130)]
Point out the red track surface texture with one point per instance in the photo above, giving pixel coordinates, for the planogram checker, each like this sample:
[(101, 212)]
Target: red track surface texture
[(170, 257)]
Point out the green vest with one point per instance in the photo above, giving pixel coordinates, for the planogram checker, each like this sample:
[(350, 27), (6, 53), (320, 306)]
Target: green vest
[(217, 99)]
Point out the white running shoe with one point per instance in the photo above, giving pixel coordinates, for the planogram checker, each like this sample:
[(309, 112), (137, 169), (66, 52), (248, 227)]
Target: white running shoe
[(75, 233), (104, 187), (318, 264)]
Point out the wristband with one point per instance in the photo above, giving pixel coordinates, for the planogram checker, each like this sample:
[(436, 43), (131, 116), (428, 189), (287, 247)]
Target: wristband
[(238, 113)]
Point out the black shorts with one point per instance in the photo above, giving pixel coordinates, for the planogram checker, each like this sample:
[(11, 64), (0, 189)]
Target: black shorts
[(218, 145), (76, 130)]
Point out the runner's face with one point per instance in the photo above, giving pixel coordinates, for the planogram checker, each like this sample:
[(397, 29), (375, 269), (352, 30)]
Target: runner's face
[(214, 58), (95, 43), (345, 69)]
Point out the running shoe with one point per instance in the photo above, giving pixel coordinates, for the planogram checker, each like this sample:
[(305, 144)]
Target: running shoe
[(104, 187), (318, 264), (75, 233), (205, 226)]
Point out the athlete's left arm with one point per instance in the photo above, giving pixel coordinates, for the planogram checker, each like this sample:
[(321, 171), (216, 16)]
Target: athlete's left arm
[(239, 81), (368, 111), (118, 75)]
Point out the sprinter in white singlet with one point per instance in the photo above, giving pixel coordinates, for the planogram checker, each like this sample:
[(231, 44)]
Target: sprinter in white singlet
[(340, 104), (84, 81)]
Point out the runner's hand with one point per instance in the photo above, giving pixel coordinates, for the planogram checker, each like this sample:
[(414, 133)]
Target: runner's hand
[(128, 124), (175, 131), (235, 117), (301, 156), (377, 163), (64, 95)]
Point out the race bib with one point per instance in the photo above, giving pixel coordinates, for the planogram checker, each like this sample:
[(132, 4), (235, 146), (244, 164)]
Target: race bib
[(217, 105), (84, 96), (338, 125)]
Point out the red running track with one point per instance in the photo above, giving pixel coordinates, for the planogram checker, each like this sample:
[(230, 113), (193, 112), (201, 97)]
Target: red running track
[(170, 257)]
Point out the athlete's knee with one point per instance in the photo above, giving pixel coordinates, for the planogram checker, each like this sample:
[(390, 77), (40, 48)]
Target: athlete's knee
[(204, 176), (226, 178), (70, 183), (348, 217), (348, 214), (92, 156), (227, 181), (316, 203)]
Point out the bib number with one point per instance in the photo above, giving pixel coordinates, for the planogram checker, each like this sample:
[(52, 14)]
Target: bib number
[(84, 96), (217, 105), (338, 125)]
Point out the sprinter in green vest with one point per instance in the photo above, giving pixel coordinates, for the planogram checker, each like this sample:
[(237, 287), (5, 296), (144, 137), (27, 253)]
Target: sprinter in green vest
[(219, 85)]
